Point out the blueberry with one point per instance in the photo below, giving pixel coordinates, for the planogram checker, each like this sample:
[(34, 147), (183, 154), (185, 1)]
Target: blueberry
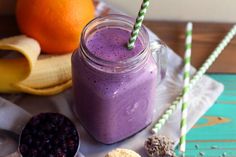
[(34, 153), (47, 127), (51, 155), (49, 147), (28, 139), (61, 155), (71, 144), (50, 136), (35, 121), (58, 151), (52, 126), (64, 146), (56, 141), (34, 132), (40, 148), (74, 132), (46, 140), (67, 130), (44, 153), (38, 143), (65, 150), (23, 148)]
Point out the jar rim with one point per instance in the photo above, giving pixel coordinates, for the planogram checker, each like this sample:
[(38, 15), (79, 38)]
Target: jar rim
[(128, 63)]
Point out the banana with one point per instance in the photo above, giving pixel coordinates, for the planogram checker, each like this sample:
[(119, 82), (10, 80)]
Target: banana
[(23, 69)]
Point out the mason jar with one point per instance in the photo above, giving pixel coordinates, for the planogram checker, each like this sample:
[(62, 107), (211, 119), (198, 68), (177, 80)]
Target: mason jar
[(114, 98)]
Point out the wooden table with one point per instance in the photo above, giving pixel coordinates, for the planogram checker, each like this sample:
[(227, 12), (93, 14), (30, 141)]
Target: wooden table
[(215, 133), (206, 37)]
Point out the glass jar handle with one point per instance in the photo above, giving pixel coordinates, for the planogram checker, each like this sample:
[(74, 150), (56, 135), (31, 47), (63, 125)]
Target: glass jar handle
[(159, 54)]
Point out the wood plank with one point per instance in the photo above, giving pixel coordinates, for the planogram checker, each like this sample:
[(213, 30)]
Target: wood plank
[(206, 37)]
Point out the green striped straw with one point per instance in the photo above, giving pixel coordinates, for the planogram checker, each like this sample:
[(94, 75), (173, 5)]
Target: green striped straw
[(187, 66), (138, 24), (195, 78)]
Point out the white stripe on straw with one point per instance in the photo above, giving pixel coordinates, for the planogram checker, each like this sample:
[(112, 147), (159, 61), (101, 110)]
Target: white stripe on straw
[(187, 66), (196, 78)]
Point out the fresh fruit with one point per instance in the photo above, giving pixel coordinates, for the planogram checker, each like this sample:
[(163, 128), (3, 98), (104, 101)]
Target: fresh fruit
[(55, 24), (49, 135)]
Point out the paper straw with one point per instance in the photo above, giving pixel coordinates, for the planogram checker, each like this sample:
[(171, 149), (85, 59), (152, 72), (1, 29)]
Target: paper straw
[(187, 66), (138, 24), (195, 78)]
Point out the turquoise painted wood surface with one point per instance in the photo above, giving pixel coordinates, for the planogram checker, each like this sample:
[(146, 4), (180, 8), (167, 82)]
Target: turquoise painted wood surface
[(214, 135)]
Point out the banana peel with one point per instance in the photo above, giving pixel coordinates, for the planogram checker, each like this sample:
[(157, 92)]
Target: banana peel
[(23, 69)]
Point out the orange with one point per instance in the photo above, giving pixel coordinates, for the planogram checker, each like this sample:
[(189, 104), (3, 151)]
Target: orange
[(55, 24)]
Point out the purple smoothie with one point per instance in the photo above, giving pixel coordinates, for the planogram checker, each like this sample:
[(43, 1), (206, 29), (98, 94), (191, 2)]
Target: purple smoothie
[(113, 106)]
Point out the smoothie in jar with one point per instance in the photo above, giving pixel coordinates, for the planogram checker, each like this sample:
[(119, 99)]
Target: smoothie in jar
[(113, 87)]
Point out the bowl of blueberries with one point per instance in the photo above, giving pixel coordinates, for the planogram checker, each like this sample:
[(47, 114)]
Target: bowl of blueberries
[(49, 135)]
